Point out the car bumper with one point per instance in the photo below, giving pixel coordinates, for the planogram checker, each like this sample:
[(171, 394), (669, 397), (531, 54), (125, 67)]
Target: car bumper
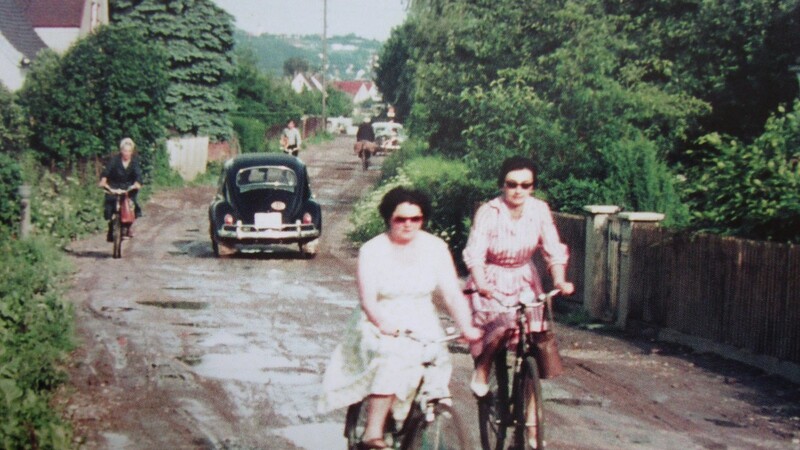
[(249, 234)]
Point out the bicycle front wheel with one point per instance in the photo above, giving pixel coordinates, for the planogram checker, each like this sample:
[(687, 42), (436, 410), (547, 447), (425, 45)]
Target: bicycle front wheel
[(529, 408), (493, 408), (116, 228), (354, 424), (445, 432)]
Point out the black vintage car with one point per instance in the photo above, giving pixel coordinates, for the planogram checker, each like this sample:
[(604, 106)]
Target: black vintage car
[(264, 199)]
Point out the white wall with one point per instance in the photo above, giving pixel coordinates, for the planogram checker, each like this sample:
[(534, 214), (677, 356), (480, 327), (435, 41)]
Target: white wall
[(59, 39), (188, 155), (11, 75)]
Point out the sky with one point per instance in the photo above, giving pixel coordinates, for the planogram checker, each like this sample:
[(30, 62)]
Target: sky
[(372, 19)]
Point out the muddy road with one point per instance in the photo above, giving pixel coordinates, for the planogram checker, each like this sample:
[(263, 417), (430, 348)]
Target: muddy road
[(182, 350)]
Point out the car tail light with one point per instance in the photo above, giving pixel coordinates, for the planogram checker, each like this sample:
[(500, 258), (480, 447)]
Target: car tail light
[(228, 219), (306, 218)]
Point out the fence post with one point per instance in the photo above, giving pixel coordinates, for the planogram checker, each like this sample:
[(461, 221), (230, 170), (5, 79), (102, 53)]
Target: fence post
[(595, 260), (24, 192), (620, 291)]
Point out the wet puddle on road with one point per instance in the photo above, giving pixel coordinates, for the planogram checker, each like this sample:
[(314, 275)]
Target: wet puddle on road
[(174, 304)]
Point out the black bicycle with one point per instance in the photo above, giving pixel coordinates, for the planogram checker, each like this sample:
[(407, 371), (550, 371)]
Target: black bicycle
[(431, 423), (515, 385), (122, 217)]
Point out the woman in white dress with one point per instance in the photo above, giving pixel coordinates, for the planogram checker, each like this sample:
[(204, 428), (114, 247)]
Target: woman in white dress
[(398, 272)]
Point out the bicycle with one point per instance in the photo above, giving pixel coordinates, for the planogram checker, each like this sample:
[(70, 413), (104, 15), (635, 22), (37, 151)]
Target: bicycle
[(431, 423), (122, 217), (513, 385)]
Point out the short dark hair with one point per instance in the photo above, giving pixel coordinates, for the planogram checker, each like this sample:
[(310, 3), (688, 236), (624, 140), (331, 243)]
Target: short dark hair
[(516, 163), (399, 195)]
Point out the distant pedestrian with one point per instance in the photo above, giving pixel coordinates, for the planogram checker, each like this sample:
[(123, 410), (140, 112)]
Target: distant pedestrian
[(365, 141), (290, 139)]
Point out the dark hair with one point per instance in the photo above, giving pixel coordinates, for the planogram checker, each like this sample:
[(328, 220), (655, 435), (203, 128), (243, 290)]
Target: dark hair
[(516, 163), (399, 195)]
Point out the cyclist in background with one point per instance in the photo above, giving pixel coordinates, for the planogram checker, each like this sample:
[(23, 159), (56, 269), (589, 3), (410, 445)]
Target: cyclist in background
[(290, 137), (365, 139), (122, 172)]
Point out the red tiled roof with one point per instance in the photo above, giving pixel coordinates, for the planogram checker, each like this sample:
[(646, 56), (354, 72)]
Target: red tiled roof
[(351, 87), (53, 13)]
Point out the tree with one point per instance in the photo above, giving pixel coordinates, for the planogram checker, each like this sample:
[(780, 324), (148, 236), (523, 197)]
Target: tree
[(394, 74), (198, 39), (81, 105), (295, 65)]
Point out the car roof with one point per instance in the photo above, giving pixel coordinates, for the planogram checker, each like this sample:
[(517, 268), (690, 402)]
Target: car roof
[(240, 162), (387, 124)]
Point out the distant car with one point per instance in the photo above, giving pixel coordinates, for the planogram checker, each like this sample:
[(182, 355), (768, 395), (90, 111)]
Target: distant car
[(264, 199), (388, 135)]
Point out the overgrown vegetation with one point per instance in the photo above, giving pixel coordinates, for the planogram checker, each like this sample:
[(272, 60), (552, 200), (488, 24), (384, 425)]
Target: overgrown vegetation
[(197, 38), (620, 103), (35, 336), (80, 105)]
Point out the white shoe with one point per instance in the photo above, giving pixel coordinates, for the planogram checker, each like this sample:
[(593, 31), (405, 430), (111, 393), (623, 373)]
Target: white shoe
[(479, 389)]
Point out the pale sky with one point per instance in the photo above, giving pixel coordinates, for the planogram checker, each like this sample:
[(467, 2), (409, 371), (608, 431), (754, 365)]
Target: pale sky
[(373, 19)]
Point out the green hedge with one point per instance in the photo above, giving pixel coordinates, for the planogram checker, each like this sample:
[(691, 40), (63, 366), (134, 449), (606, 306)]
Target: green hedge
[(453, 190), (35, 335)]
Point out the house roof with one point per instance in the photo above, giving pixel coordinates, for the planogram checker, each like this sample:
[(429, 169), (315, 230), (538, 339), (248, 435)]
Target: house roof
[(351, 87), (18, 31), (53, 13)]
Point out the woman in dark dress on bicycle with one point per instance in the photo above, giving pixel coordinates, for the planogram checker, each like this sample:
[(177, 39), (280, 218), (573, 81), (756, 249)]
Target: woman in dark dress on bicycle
[(122, 172), (505, 234)]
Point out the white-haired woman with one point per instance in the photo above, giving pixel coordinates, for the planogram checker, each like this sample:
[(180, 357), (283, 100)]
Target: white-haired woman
[(123, 171)]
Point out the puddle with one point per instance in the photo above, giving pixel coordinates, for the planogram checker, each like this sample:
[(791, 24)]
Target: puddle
[(249, 367), (175, 304), (116, 441), (315, 435)]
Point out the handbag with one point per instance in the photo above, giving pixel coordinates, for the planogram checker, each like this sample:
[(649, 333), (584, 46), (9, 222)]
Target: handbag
[(545, 347), (126, 210)]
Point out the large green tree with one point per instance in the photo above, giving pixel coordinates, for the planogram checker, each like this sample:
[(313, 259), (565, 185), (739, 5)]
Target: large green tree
[(81, 105), (198, 38)]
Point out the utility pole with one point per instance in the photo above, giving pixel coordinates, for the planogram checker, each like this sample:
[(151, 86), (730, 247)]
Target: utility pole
[(324, 63)]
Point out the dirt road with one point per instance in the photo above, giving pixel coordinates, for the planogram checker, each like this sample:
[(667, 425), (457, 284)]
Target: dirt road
[(181, 350)]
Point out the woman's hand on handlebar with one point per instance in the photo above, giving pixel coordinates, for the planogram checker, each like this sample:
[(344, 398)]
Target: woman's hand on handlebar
[(471, 333), (566, 287)]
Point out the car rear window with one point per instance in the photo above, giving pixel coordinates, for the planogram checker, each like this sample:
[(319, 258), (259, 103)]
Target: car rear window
[(266, 177)]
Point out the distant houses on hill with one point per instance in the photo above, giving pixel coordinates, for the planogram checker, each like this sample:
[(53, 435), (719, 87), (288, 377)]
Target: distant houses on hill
[(359, 91), (28, 26)]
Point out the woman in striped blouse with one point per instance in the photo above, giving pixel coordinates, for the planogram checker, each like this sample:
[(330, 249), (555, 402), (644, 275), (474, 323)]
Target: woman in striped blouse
[(505, 234)]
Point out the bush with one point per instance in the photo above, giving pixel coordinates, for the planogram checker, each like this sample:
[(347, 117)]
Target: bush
[(10, 180), (35, 335), (252, 134), (66, 207), (453, 191)]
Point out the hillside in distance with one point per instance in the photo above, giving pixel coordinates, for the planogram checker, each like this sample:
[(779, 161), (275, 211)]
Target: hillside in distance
[(349, 57)]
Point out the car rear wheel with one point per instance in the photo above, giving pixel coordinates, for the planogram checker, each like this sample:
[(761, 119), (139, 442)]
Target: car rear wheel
[(220, 250)]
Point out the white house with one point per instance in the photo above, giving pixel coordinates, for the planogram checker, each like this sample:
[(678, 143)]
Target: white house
[(28, 26), (302, 82)]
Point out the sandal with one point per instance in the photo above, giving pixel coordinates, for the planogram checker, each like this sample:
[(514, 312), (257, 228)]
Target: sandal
[(530, 436), (373, 443)]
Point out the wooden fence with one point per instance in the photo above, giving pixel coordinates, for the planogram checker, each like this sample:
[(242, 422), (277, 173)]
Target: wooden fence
[(736, 297), (572, 229), (741, 293)]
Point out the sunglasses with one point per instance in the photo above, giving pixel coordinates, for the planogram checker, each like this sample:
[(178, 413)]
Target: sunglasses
[(513, 184), (412, 219)]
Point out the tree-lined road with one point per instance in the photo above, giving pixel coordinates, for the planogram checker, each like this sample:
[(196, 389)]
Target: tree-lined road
[(183, 350)]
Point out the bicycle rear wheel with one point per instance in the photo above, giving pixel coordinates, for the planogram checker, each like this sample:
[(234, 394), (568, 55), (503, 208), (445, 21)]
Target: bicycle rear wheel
[(493, 408), (445, 432), (529, 408), (116, 229)]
